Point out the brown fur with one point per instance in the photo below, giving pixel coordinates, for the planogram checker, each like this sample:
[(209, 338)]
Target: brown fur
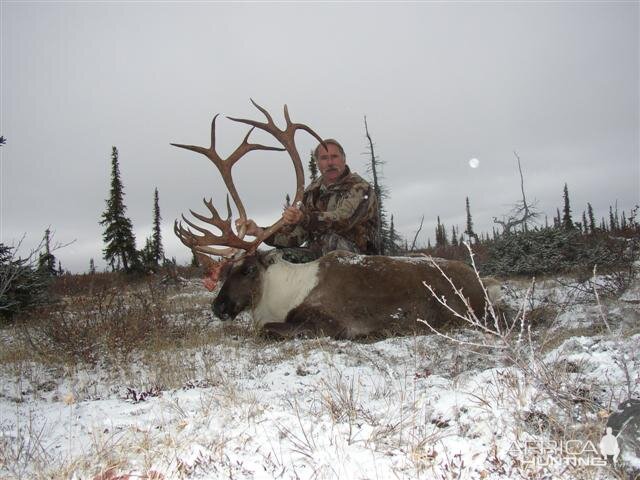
[(361, 296)]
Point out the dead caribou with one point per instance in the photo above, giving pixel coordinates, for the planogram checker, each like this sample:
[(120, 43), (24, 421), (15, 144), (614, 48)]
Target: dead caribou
[(343, 295)]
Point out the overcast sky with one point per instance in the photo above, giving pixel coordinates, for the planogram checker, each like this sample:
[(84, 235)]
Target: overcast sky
[(440, 83)]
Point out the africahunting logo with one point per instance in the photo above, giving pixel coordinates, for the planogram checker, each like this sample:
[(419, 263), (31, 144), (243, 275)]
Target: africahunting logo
[(576, 453)]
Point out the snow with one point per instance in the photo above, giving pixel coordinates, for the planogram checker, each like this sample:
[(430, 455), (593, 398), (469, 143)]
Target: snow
[(406, 407)]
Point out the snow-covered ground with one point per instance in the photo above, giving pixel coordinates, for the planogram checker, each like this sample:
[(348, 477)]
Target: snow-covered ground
[(413, 407)]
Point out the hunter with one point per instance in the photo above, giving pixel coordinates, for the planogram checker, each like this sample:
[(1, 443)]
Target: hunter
[(339, 211)]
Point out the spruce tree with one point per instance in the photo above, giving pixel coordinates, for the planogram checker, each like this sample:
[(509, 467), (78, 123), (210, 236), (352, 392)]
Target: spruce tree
[(469, 231), (313, 168), (567, 222), (613, 226), (22, 283), (46, 260), (92, 267), (394, 238), (441, 235), (120, 242), (157, 252), (592, 220)]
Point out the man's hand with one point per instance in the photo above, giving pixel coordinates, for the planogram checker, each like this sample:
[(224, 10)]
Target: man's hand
[(252, 228), (292, 215)]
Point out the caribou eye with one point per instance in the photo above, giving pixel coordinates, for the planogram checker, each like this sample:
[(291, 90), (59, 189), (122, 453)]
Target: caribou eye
[(249, 270)]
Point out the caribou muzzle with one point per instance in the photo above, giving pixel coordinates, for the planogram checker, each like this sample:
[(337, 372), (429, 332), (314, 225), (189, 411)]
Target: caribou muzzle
[(224, 309)]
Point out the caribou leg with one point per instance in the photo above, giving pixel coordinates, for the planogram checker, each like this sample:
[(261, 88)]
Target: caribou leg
[(306, 321)]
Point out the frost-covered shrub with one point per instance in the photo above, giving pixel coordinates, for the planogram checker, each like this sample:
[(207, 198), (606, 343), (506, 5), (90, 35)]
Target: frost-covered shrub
[(553, 250)]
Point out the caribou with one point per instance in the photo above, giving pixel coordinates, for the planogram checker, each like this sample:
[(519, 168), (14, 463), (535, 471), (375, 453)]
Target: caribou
[(342, 294)]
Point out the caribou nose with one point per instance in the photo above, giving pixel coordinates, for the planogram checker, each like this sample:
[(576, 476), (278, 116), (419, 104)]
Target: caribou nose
[(219, 311)]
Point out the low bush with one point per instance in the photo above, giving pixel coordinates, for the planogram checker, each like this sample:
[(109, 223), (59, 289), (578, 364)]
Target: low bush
[(85, 328), (553, 250)]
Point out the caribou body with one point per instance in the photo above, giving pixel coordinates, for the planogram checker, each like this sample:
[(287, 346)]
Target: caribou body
[(345, 295)]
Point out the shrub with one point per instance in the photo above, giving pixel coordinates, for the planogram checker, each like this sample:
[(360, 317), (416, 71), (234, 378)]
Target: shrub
[(22, 286), (554, 250), (84, 328)]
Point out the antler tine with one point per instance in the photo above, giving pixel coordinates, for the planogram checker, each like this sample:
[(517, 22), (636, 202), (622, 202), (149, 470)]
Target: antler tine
[(227, 238), (246, 147), (190, 240), (213, 133)]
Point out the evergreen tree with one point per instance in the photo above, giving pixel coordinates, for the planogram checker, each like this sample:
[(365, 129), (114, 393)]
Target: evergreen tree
[(46, 260), (557, 220), (441, 235), (22, 285), (157, 252), (92, 267), (584, 223), (394, 239), (313, 168), (454, 237), (469, 231), (592, 220), (120, 249), (567, 222), (613, 225)]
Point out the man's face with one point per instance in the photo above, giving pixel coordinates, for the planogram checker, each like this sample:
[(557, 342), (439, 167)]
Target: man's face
[(331, 163)]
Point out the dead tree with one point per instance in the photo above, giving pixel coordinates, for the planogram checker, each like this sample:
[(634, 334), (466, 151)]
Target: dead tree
[(381, 193), (522, 212)]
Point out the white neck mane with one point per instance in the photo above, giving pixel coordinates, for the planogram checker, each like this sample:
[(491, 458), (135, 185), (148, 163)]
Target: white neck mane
[(284, 286)]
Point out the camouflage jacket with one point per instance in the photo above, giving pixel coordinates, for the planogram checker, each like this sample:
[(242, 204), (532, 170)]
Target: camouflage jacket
[(348, 209)]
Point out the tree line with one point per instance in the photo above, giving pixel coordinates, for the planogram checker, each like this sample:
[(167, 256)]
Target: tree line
[(518, 244)]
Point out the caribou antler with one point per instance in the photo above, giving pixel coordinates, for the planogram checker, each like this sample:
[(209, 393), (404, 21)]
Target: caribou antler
[(203, 244)]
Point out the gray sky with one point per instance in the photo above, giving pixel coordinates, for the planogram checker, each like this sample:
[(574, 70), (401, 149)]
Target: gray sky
[(440, 83)]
